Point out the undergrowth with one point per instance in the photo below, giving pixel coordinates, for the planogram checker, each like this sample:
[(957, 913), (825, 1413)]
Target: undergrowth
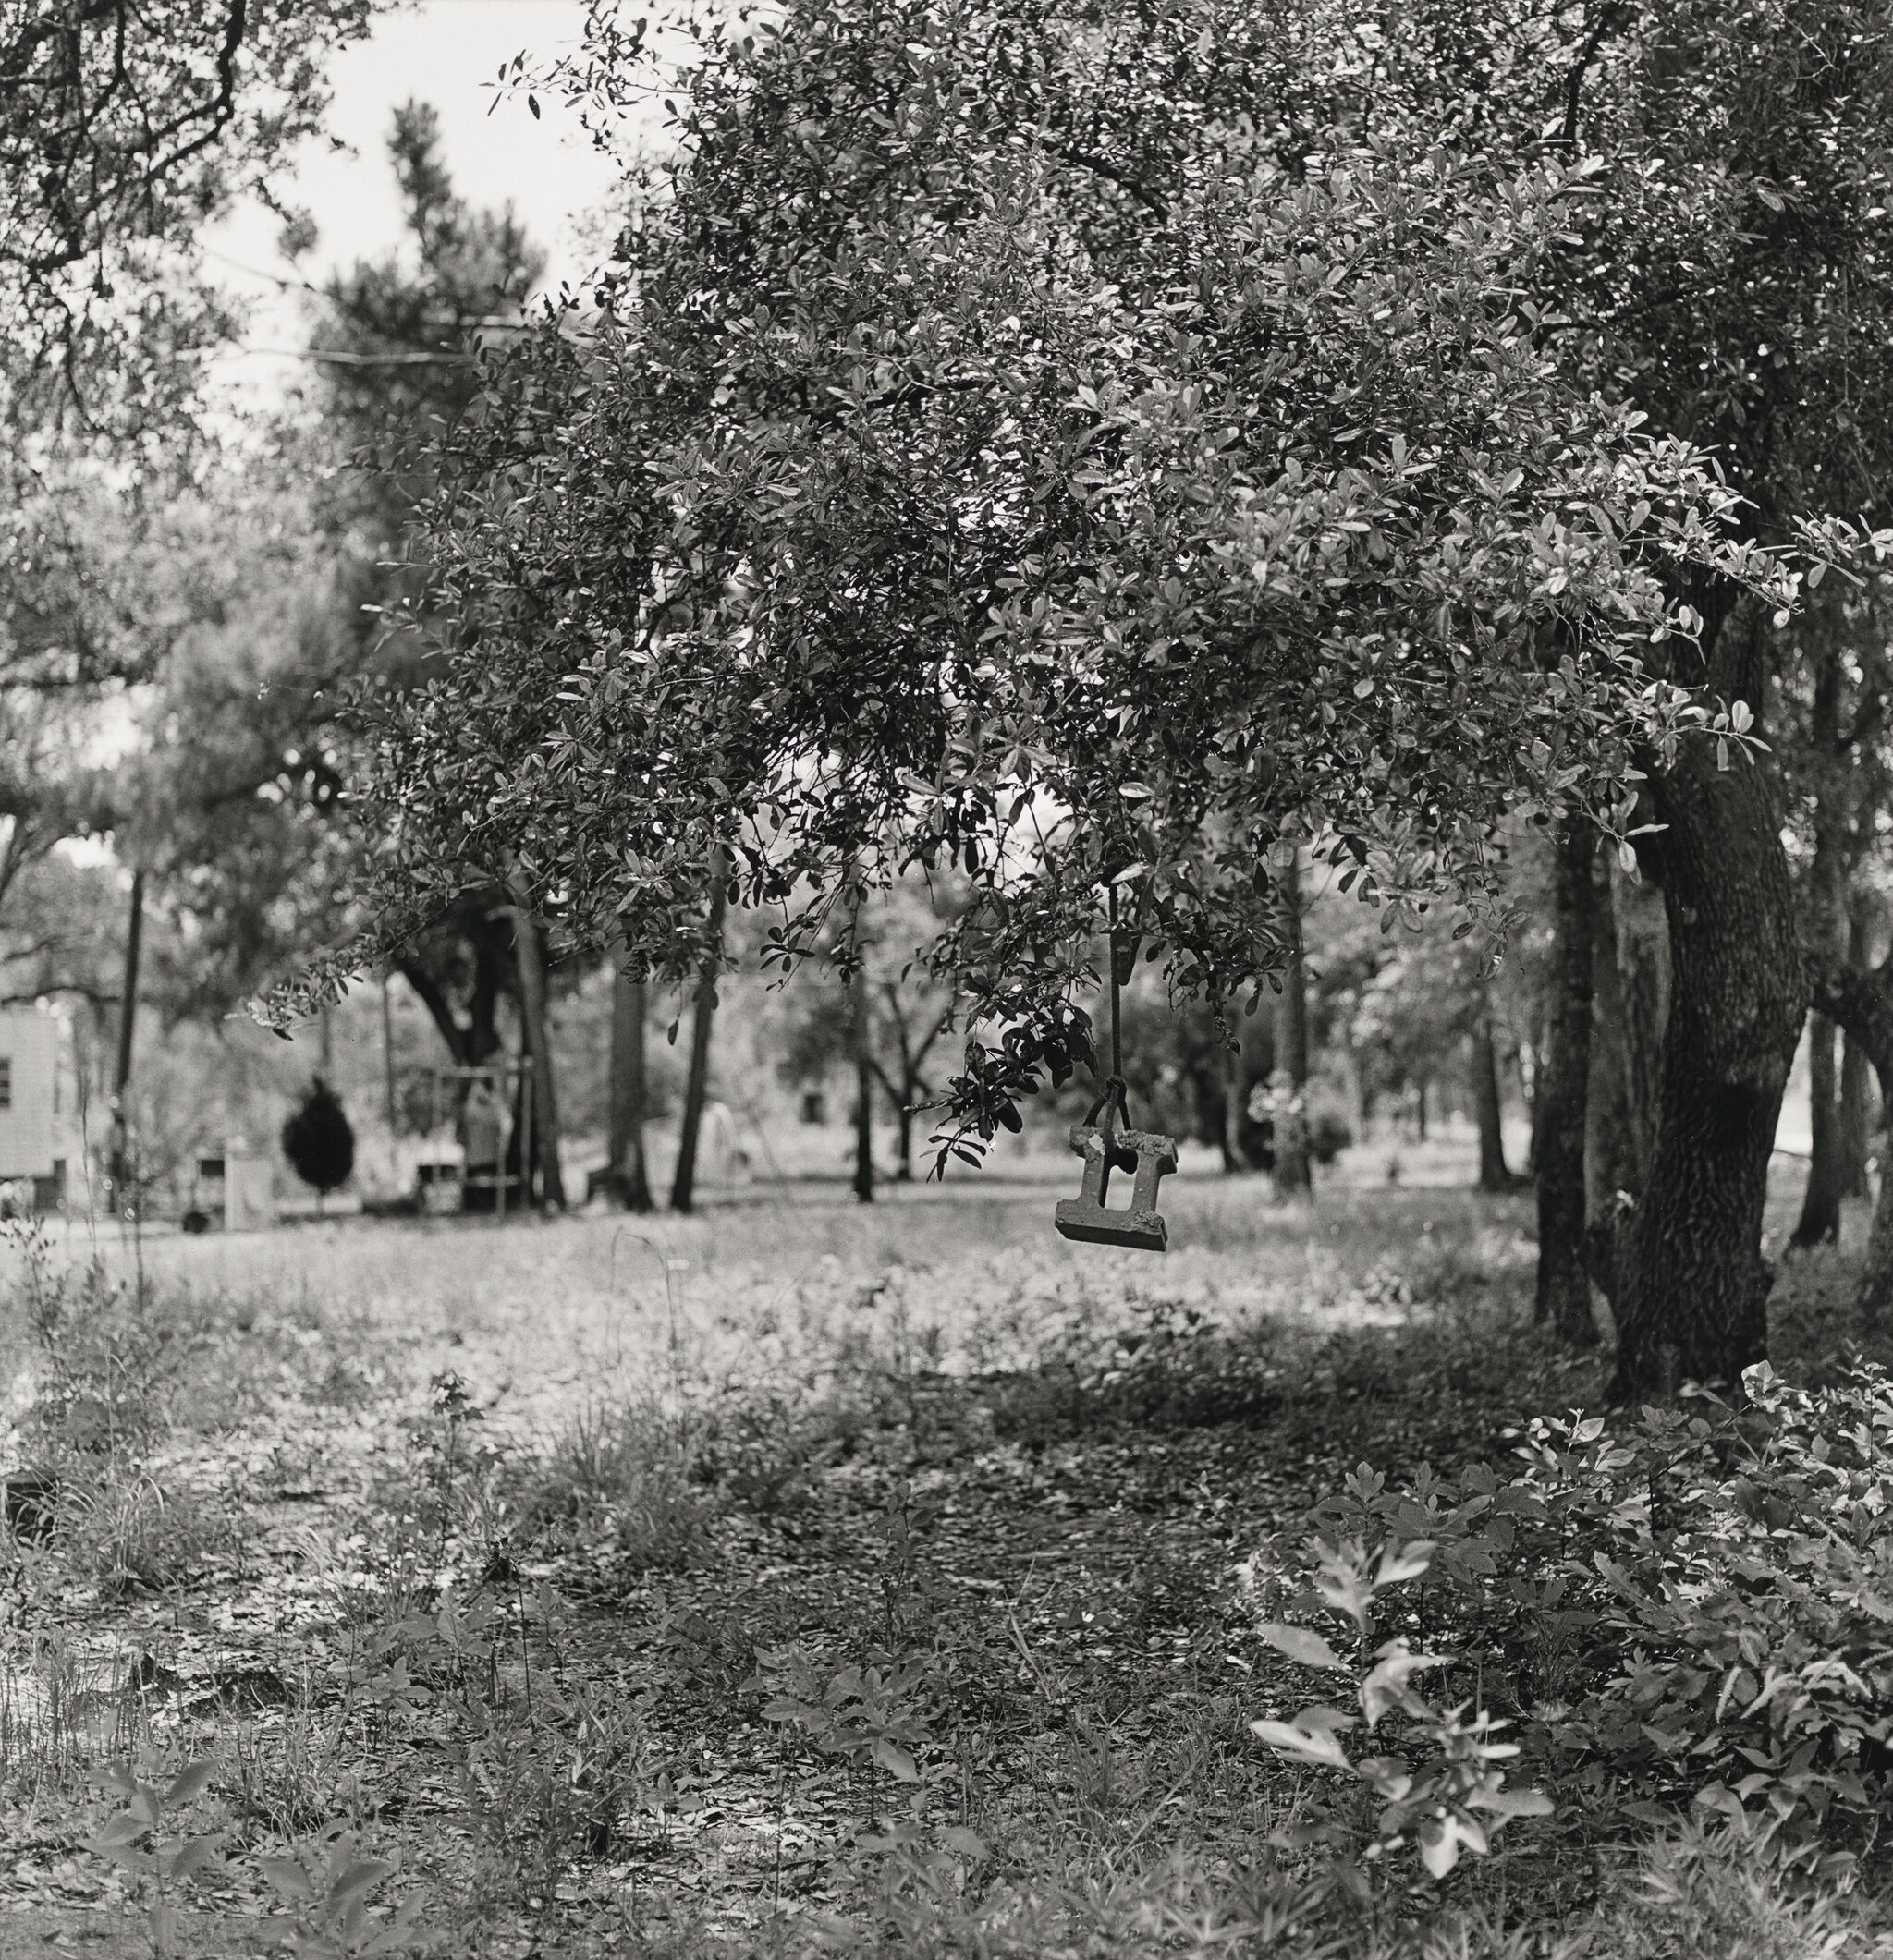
[(1126, 1625)]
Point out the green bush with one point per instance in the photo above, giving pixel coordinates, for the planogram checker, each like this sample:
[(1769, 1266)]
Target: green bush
[(1693, 1613), (318, 1141)]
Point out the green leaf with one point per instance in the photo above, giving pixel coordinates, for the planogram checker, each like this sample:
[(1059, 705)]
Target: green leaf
[(1302, 1644), (189, 1783), (1306, 1741), (895, 1760)]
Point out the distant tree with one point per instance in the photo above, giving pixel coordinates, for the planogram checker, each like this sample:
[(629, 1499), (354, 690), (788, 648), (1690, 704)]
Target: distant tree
[(319, 1140)]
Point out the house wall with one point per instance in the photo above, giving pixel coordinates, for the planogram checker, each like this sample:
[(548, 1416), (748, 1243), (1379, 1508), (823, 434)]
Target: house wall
[(30, 1114)]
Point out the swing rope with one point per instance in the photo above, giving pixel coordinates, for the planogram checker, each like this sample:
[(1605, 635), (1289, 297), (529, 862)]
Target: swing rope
[(1114, 1098)]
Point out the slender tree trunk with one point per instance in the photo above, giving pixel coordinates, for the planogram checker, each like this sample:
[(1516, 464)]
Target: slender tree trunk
[(697, 1086), (1235, 1096), (387, 1071), (1877, 1275), (1613, 1176), (1820, 1206), (627, 1177), (530, 949), (1564, 1280), (1291, 1170), (1493, 1174), (1609, 1149), (1856, 1116), (121, 1165), (1695, 1300), (1642, 929), (1827, 925), (861, 1039), (903, 1115), (1861, 1002), (1421, 1109)]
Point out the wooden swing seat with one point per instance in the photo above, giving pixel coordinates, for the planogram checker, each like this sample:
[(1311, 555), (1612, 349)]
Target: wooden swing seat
[(1089, 1218)]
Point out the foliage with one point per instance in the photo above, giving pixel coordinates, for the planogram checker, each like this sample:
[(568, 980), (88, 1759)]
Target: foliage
[(329, 1884), (136, 1838), (1696, 1605), (939, 495), (1455, 1797), (122, 129), (318, 1141)]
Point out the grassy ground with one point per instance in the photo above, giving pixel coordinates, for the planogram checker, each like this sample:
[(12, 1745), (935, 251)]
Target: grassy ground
[(788, 1579)]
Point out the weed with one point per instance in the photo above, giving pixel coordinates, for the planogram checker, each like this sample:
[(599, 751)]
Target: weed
[(328, 1884), (162, 1858), (615, 1473)]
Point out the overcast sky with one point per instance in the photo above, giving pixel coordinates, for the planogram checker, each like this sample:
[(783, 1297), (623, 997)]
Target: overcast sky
[(445, 53)]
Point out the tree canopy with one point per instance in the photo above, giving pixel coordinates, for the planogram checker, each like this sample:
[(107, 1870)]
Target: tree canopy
[(933, 486)]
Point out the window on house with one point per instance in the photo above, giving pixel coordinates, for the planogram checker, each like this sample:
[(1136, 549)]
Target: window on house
[(5, 1081)]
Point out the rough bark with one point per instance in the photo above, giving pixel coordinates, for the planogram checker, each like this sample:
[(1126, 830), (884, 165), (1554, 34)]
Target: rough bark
[(626, 1178), (1694, 1304), (1291, 1171), (1564, 1281), (1490, 1106), (530, 952), (683, 1185)]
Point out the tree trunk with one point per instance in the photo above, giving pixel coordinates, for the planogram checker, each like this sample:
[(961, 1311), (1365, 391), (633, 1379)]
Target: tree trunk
[(387, 1076), (1877, 1275), (861, 1039), (120, 1164), (439, 1010), (1609, 1150), (1856, 1116), (1564, 1281), (1642, 929), (903, 1114), (1829, 929), (1493, 1174), (626, 1176), (1695, 1301), (530, 951), (1820, 1205), (1861, 1002), (1613, 1171), (1291, 1172), (1235, 1101), (696, 1088)]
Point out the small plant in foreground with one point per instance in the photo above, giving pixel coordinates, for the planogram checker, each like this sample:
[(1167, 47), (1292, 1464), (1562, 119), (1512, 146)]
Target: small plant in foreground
[(1453, 1798), (327, 1883), (137, 1838)]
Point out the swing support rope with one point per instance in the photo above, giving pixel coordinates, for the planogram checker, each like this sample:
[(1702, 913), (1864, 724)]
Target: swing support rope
[(1114, 1098)]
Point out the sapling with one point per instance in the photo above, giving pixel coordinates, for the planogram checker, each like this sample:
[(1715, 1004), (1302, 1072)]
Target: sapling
[(1454, 1799)]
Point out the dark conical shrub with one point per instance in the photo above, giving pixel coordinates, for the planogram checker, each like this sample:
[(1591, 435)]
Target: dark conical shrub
[(319, 1140)]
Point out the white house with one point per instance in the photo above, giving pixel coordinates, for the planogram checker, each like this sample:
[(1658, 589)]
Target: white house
[(33, 1126)]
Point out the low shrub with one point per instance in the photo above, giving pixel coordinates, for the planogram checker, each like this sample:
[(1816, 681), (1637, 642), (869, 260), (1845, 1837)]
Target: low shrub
[(1693, 1613)]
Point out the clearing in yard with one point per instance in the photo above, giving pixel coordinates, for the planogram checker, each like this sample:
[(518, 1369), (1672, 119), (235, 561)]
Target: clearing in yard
[(795, 1577)]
